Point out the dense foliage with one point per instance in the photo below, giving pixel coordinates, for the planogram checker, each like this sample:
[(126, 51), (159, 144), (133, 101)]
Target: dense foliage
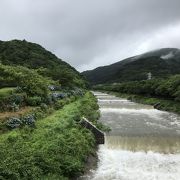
[(136, 68), (28, 80), (42, 100), (6, 92), (56, 149), (168, 88), (33, 56), (28, 87)]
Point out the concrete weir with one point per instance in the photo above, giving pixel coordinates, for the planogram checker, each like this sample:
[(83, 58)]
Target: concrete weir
[(99, 135)]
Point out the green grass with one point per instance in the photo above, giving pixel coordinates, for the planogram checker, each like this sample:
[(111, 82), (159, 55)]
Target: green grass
[(56, 149), (4, 92)]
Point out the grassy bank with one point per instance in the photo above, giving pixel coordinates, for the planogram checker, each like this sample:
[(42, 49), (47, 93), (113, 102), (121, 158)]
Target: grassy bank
[(57, 148), (163, 104), (4, 92)]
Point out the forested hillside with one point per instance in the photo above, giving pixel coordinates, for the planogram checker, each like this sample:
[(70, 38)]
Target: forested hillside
[(161, 63), (42, 101), (34, 56)]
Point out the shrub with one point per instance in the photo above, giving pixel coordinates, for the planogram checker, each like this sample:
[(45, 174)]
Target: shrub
[(12, 102), (14, 107), (27, 80), (14, 122), (43, 106), (49, 100), (4, 92), (58, 95), (39, 113), (58, 105), (29, 120), (18, 99), (34, 101)]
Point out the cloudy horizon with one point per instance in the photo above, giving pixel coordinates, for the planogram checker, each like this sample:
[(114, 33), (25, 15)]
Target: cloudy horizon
[(88, 34)]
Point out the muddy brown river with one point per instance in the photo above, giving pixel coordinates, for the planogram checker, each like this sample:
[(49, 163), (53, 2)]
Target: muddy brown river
[(144, 143)]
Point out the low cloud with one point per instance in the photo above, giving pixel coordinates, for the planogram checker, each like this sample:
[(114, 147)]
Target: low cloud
[(93, 33)]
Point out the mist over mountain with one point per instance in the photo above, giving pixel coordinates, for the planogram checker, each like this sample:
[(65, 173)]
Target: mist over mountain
[(161, 63)]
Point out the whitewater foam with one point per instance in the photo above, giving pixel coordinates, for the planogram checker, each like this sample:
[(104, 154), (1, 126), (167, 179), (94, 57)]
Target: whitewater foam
[(127, 165), (144, 143), (149, 112), (113, 100)]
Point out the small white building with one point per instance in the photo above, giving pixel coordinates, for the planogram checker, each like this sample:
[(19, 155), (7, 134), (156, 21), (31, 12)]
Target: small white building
[(149, 76)]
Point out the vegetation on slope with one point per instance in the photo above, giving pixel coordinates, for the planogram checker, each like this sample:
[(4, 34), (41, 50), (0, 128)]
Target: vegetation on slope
[(33, 56), (4, 92), (42, 99), (136, 68), (37, 77), (57, 148), (28, 80), (20, 86), (149, 91)]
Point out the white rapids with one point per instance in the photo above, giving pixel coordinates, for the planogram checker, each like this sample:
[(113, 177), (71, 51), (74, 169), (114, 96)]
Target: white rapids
[(116, 164), (144, 143)]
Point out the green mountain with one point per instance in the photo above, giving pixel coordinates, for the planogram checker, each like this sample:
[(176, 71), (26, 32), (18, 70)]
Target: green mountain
[(34, 56), (161, 63)]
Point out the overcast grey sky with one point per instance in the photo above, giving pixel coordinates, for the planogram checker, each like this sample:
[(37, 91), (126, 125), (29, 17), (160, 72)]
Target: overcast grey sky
[(91, 33)]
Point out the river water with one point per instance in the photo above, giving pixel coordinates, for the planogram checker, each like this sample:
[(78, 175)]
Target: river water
[(144, 143)]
